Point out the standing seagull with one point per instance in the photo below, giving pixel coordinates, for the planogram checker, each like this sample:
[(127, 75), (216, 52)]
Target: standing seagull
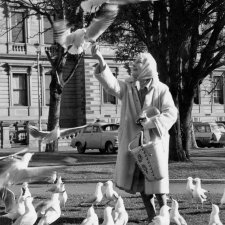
[(121, 215), (53, 177), (110, 193), (56, 187), (175, 216), (163, 218), (50, 136), (108, 219), (53, 212), (190, 188), (222, 200), (214, 216), (97, 197), (199, 193), (92, 218), (30, 215), (63, 195), (8, 197), (19, 206)]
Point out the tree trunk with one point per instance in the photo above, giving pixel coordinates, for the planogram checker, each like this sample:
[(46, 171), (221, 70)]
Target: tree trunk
[(54, 110), (186, 105)]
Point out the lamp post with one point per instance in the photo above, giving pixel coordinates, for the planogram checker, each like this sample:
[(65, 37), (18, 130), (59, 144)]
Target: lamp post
[(37, 46)]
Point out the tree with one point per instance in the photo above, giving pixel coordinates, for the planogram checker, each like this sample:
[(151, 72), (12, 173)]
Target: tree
[(186, 38), (57, 9)]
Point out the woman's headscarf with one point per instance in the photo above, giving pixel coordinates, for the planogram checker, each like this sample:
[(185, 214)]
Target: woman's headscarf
[(149, 69)]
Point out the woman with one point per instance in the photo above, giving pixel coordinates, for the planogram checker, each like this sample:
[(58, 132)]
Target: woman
[(141, 91)]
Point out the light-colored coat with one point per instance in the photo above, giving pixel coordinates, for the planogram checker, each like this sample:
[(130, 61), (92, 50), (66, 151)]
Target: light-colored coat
[(158, 96)]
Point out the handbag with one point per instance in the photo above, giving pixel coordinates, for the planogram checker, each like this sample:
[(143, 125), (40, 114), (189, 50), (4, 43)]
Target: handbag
[(151, 158)]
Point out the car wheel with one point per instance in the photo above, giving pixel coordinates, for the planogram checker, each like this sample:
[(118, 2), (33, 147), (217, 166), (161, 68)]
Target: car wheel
[(80, 148), (199, 143), (102, 150), (109, 147)]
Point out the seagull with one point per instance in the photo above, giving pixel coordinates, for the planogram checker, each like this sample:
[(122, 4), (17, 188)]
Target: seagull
[(16, 170), (52, 212), (19, 206), (53, 177), (90, 6), (92, 218), (163, 218), (222, 200), (199, 192), (214, 216), (56, 133), (62, 195), (25, 189), (175, 216), (121, 215), (110, 193), (56, 187), (8, 197), (108, 219), (190, 188), (78, 41), (30, 215), (42, 206), (98, 196)]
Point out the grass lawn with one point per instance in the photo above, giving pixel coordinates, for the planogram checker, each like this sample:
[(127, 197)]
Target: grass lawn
[(201, 169), (75, 213)]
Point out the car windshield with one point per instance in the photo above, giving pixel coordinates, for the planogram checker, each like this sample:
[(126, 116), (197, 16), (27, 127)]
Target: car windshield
[(110, 127)]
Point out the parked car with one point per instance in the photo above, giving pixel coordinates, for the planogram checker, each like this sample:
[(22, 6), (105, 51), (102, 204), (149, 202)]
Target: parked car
[(99, 135), (209, 134)]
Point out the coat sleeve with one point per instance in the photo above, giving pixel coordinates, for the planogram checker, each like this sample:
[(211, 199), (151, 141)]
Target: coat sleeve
[(167, 117), (109, 82)]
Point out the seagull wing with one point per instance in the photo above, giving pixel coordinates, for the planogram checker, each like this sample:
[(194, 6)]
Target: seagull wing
[(36, 133), (32, 174), (66, 132), (12, 155), (14, 175), (8, 198), (107, 15)]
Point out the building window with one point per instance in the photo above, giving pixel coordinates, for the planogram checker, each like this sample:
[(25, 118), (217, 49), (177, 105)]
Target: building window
[(48, 32), (20, 89), (218, 90), (108, 98), (18, 27), (48, 79)]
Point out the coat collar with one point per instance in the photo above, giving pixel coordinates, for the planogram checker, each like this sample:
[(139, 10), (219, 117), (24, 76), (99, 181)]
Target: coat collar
[(153, 84)]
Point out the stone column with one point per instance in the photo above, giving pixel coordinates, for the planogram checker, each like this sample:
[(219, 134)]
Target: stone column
[(5, 142)]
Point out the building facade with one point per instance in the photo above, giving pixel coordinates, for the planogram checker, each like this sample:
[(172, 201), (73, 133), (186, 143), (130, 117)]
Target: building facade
[(25, 78)]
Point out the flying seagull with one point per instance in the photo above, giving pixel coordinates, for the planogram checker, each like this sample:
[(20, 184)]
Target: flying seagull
[(16, 170), (78, 41), (50, 136)]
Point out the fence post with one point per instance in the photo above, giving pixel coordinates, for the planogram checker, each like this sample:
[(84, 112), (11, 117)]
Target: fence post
[(5, 142)]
